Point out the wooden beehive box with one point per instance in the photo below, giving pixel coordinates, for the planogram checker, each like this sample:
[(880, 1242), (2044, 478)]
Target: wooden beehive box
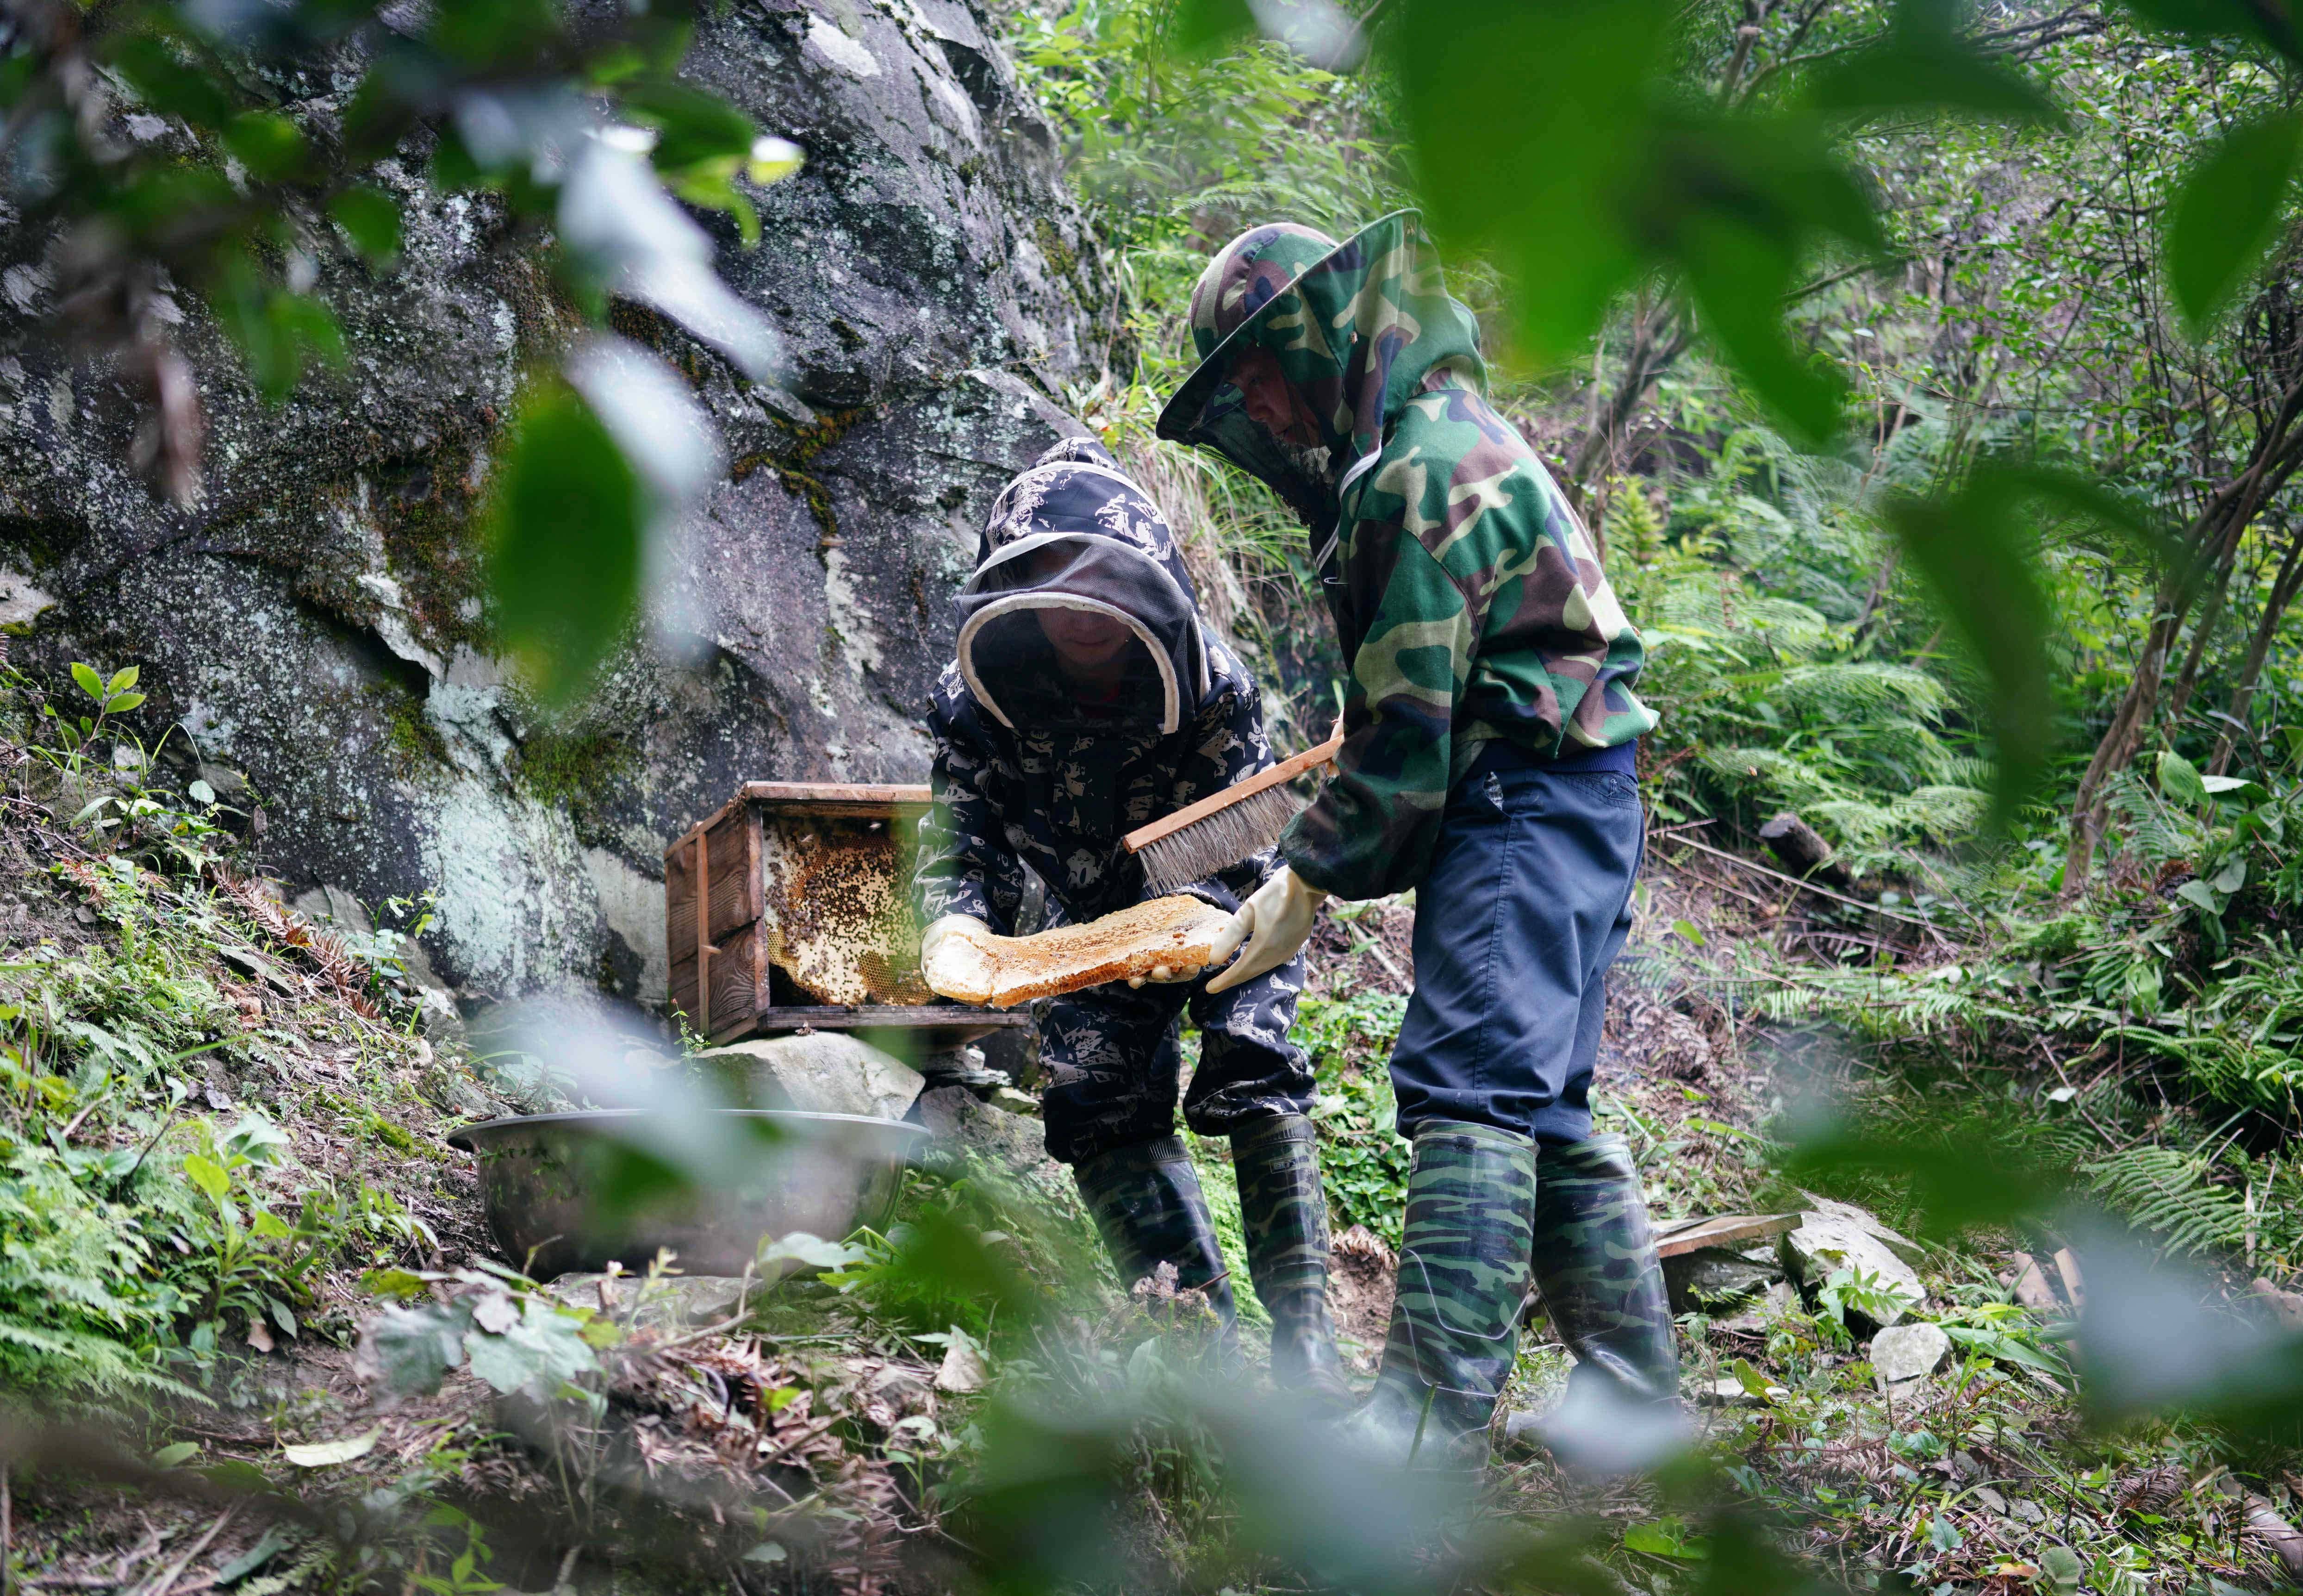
[(789, 908), (805, 902)]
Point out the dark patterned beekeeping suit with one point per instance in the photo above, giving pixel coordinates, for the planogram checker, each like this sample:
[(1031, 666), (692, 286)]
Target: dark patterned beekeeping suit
[(1028, 775)]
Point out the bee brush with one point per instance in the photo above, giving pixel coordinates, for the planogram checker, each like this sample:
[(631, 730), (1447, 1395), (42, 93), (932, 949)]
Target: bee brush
[(1223, 828)]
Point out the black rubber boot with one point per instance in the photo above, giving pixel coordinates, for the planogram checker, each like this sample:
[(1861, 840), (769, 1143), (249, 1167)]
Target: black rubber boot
[(1285, 1215), (1595, 1263), (1455, 1315), (1148, 1205)]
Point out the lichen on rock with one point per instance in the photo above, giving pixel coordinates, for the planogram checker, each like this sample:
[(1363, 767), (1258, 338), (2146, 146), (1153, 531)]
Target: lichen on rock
[(316, 622)]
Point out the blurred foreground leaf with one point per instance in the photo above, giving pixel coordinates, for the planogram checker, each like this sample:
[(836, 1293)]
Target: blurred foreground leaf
[(565, 524), (2226, 214), (1970, 549)]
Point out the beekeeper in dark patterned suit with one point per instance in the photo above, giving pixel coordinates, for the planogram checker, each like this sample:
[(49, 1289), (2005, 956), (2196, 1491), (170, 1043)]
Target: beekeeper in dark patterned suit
[(1088, 698)]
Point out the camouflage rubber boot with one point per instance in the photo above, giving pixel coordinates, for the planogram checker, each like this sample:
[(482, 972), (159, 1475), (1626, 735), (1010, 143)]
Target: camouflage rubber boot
[(1148, 1205), (1455, 1315), (1595, 1263), (1285, 1215)]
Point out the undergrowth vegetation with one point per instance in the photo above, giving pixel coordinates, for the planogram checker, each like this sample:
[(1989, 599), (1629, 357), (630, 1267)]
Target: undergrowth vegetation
[(159, 1214)]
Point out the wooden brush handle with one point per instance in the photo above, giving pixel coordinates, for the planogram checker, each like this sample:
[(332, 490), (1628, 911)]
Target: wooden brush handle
[(1287, 770)]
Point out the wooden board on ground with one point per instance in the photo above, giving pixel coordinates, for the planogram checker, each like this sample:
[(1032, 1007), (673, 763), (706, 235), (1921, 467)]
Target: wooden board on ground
[(1675, 1236)]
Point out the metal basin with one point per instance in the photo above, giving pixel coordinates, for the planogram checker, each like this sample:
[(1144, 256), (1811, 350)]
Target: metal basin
[(568, 1192)]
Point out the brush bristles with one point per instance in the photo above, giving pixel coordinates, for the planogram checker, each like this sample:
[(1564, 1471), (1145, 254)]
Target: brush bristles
[(1223, 839)]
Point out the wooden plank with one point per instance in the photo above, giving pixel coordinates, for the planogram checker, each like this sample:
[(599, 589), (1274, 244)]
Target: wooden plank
[(1675, 1236), (885, 795), (739, 969), (703, 932), (734, 873), (679, 926), (888, 1017)]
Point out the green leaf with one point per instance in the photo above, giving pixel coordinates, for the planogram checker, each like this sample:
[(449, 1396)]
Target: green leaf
[(2270, 25), (1923, 64), (269, 1225), (88, 681), (2226, 214), (370, 219), (169, 86), (545, 1348), (398, 1283), (1687, 930), (1201, 27), (122, 679), (692, 125), (208, 1176), (123, 704), (2179, 780), (268, 144), (2202, 896), (1968, 550), (1661, 1537), (1534, 129), (327, 1453), (564, 543), (179, 1452), (772, 160), (2061, 1567), (1943, 1535), (282, 1315), (2231, 877), (268, 1546), (811, 1251), (412, 1349)]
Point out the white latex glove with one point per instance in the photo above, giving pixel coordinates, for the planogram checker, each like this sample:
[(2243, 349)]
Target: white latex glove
[(1274, 924), (953, 959)]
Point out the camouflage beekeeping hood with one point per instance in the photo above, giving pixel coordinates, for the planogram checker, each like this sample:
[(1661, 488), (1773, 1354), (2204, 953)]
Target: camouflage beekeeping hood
[(1073, 533), (1354, 329)]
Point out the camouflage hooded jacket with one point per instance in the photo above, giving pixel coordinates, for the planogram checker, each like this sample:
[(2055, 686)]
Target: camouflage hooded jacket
[(1023, 775), (1468, 598)]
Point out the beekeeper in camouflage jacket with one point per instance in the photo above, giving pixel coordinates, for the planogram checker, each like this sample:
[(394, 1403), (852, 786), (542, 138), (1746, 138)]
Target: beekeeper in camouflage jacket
[(1089, 699), (1488, 763)]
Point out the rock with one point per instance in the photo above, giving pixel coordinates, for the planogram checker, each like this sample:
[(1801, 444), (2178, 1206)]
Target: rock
[(1902, 1354), (2286, 1306), (963, 1123), (1779, 1297), (819, 1072), (1011, 1101), (2032, 1290), (1524, 1432), (1711, 1277), (1836, 1235), (333, 906), (317, 619)]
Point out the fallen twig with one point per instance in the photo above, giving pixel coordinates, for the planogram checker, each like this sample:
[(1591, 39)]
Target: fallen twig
[(1805, 886)]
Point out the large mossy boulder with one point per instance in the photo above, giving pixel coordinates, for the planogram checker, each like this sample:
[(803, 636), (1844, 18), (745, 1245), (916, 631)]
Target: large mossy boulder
[(316, 622)]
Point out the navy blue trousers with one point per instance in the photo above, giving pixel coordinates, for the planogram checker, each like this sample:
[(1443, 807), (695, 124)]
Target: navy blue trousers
[(1526, 904)]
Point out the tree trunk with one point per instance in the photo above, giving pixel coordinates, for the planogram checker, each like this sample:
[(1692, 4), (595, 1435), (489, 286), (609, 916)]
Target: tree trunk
[(2283, 588), (1660, 334), (2215, 531), (2187, 680)]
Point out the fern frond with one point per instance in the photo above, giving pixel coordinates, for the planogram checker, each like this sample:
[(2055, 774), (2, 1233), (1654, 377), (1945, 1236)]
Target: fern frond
[(2170, 1192)]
